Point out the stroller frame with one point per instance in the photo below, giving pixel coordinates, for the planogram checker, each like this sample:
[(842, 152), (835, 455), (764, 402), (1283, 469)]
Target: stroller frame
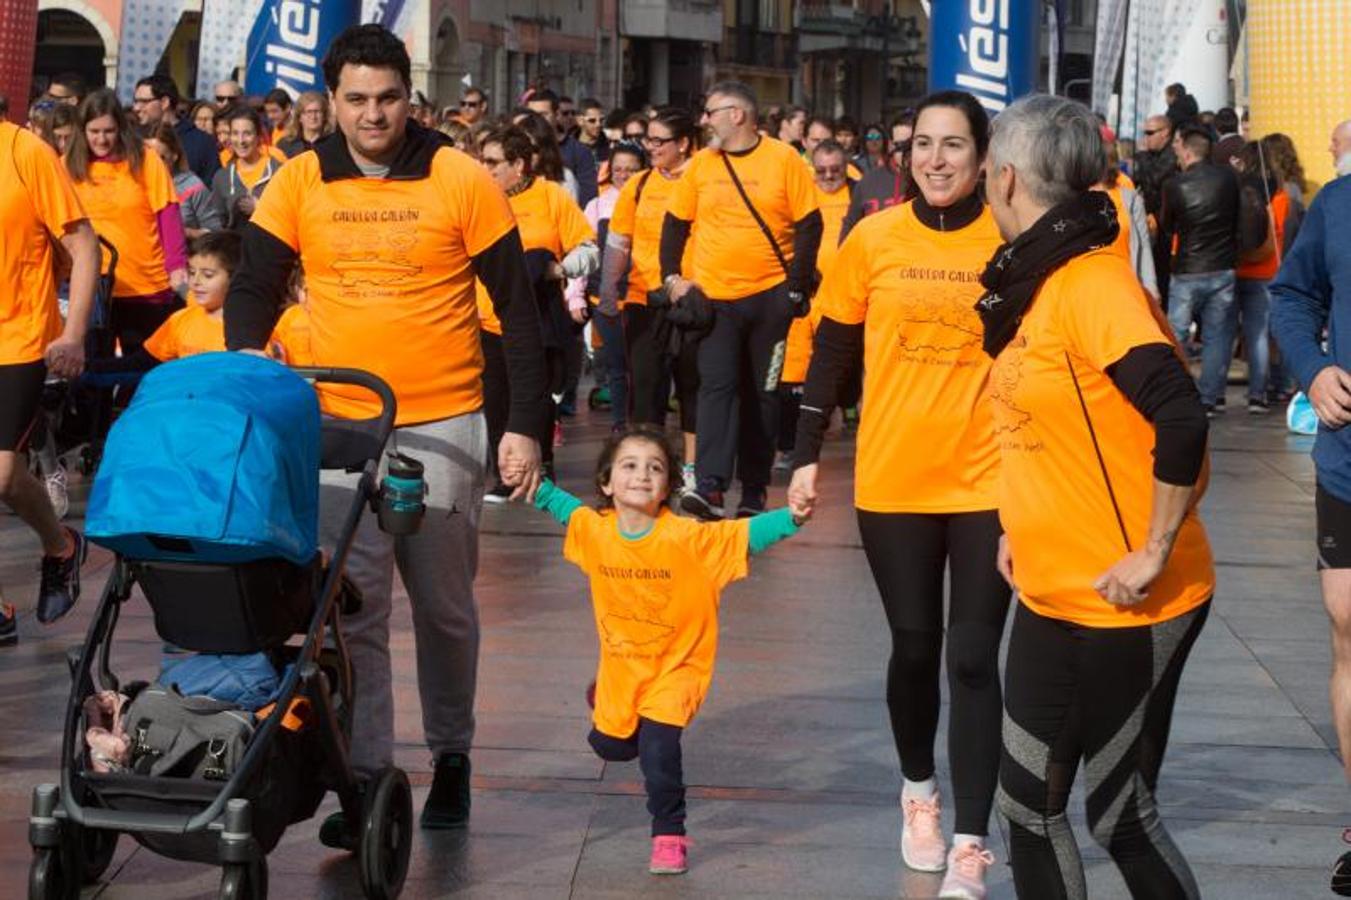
[(74, 839)]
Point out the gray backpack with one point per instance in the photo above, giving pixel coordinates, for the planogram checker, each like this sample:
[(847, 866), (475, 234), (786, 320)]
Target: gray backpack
[(186, 737)]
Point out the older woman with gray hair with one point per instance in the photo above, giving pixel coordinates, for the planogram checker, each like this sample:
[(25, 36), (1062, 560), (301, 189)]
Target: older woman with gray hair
[(1102, 448)]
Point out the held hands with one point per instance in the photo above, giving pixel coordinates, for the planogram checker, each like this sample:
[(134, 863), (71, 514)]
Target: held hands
[(677, 288), (1330, 396), (802, 492), (518, 462)]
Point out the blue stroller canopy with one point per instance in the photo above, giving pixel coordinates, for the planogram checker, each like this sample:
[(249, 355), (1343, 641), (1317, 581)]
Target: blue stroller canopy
[(216, 460)]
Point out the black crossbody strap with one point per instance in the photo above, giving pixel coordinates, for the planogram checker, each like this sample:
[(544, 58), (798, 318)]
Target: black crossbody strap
[(1102, 464), (638, 192), (769, 235)]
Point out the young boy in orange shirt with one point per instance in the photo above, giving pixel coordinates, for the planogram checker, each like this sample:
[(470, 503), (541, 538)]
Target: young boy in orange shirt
[(655, 585)]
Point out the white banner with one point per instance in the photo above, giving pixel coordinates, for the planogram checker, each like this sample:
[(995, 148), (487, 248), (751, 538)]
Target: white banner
[(147, 26), (1108, 43), (396, 15), (225, 31)]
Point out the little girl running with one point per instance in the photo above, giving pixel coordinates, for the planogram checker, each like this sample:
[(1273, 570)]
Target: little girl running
[(655, 585)]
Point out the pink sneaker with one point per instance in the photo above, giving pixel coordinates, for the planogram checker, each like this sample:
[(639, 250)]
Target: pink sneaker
[(922, 844), (966, 873), (669, 852)]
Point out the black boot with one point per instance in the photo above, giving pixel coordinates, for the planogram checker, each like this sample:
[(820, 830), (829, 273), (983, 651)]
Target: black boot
[(447, 805)]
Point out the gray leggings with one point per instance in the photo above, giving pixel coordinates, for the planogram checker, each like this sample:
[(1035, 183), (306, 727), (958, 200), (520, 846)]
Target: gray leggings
[(437, 566), (1103, 695)]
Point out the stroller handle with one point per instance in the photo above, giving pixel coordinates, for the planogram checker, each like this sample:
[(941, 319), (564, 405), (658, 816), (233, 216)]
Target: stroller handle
[(374, 383)]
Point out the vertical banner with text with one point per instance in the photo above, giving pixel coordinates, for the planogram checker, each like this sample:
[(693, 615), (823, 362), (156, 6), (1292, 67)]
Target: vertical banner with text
[(18, 43), (990, 48), (288, 42)]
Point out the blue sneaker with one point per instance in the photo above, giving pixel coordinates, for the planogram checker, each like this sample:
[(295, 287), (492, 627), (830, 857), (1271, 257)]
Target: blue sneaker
[(60, 587)]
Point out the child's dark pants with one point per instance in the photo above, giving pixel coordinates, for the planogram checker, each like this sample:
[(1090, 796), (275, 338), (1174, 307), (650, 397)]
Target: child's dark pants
[(657, 748)]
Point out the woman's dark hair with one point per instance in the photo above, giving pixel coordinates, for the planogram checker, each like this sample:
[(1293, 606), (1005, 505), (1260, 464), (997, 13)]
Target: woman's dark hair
[(1283, 157), (635, 119), (225, 246), (367, 45), (197, 107), (681, 125), (279, 97), (549, 161), (244, 111), (515, 144), (652, 435), (1257, 166), (631, 149), (100, 103), (166, 135), (976, 117)]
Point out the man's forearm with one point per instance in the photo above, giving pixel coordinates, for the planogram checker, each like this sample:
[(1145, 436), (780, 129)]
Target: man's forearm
[(257, 290)]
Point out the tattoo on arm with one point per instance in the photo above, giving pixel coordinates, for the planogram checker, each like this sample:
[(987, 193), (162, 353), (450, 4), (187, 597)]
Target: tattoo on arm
[(1164, 542)]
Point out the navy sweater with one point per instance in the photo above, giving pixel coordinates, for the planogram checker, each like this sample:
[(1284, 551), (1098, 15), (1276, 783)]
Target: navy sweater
[(1313, 290)]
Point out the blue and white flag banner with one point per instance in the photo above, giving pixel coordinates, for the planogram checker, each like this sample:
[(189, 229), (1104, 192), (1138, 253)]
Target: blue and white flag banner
[(147, 26), (225, 30)]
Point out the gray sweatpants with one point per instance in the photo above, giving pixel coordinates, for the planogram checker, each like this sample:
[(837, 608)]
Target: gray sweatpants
[(437, 566)]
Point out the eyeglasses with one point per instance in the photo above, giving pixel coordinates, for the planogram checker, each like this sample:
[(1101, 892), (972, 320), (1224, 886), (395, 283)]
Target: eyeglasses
[(710, 113), (653, 141), (828, 171), (142, 101)]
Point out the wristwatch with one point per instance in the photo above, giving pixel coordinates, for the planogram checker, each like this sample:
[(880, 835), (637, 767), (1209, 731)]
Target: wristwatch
[(796, 297), (666, 282)]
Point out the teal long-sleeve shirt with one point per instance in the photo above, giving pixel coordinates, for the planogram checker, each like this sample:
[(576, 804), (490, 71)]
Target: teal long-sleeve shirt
[(766, 529)]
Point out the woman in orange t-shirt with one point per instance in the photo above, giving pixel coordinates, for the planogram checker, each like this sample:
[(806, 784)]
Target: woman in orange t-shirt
[(656, 357), (900, 299), (240, 182), (130, 198), (1102, 443)]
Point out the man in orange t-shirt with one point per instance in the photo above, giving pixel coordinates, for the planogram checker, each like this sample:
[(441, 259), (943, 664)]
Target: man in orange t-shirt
[(391, 226), (759, 229), (38, 203)]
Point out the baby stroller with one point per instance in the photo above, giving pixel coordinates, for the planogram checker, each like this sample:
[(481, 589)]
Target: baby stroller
[(233, 571)]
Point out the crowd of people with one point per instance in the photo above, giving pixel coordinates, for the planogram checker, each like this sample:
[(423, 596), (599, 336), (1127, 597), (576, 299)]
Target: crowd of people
[(1021, 296)]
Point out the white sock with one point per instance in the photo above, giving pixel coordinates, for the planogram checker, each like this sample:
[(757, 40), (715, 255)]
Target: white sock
[(919, 790), (959, 839)]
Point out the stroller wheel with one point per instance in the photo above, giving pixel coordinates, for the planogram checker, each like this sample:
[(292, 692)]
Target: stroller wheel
[(386, 835), (244, 881), (49, 876), (93, 850)]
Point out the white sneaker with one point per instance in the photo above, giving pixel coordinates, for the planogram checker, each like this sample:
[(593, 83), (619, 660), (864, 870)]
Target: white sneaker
[(966, 873), (690, 482), (58, 493)]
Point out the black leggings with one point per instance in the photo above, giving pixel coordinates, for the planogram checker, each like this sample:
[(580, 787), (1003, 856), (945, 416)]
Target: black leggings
[(656, 746), (657, 354), (1104, 695), (908, 553), (497, 396)]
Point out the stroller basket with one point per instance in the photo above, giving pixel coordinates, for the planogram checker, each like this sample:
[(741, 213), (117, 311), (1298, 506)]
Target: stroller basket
[(241, 608)]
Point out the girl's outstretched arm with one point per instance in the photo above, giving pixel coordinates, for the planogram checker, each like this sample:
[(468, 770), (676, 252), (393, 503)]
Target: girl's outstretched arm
[(556, 502), (768, 528)]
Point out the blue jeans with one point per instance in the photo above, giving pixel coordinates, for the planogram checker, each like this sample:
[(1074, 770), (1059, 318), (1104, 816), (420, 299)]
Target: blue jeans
[(613, 369), (1254, 306), (1209, 295)]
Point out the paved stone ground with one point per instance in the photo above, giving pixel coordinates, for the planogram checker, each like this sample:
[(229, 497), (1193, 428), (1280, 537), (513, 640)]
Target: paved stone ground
[(792, 772)]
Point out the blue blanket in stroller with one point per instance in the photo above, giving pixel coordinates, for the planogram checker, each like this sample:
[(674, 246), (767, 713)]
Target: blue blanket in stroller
[(216, 460)]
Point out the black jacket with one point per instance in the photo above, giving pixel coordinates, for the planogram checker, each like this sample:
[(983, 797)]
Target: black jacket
[(200, 150), (1153, 169), (1201, 206)]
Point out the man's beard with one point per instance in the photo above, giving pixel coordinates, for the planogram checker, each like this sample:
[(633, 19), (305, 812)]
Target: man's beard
[(1344, 164)]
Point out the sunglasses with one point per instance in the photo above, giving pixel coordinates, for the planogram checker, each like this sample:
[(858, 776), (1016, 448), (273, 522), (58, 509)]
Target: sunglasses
[(592, 120), (472, 104), (1151, 132), (226, 98), (828, 171), (873, 136)]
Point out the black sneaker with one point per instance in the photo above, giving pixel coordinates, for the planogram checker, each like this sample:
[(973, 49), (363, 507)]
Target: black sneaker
[(1341, 876), (706, 507), (1257, 406), (60, 588), (9, 625), (500, 494), (334, 833), (752, 502), (448, 803)]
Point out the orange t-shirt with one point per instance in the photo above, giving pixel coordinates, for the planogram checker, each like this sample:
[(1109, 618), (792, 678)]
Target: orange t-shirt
[(250, 174), (549, 219), (798, 355), (640, 221), (733, 258), (1057, 511), (389, 273), (291, 338), (926, 439), (1266, 269), (37, 206), (656, 604), (122, 208), (189, 331)]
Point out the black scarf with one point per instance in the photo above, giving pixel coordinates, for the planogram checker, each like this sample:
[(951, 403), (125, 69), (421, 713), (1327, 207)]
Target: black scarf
[(1018, 268)]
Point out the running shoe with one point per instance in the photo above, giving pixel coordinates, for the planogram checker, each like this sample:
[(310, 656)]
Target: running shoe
[(922, 846), (1341, 870), (783, 462), (58, 493), (670, 854), (1257, 406), (448, 802), (9, 624), (691, 483), (752, 503), (500, 494), (706, 507), (965, 879), (60, 587)]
